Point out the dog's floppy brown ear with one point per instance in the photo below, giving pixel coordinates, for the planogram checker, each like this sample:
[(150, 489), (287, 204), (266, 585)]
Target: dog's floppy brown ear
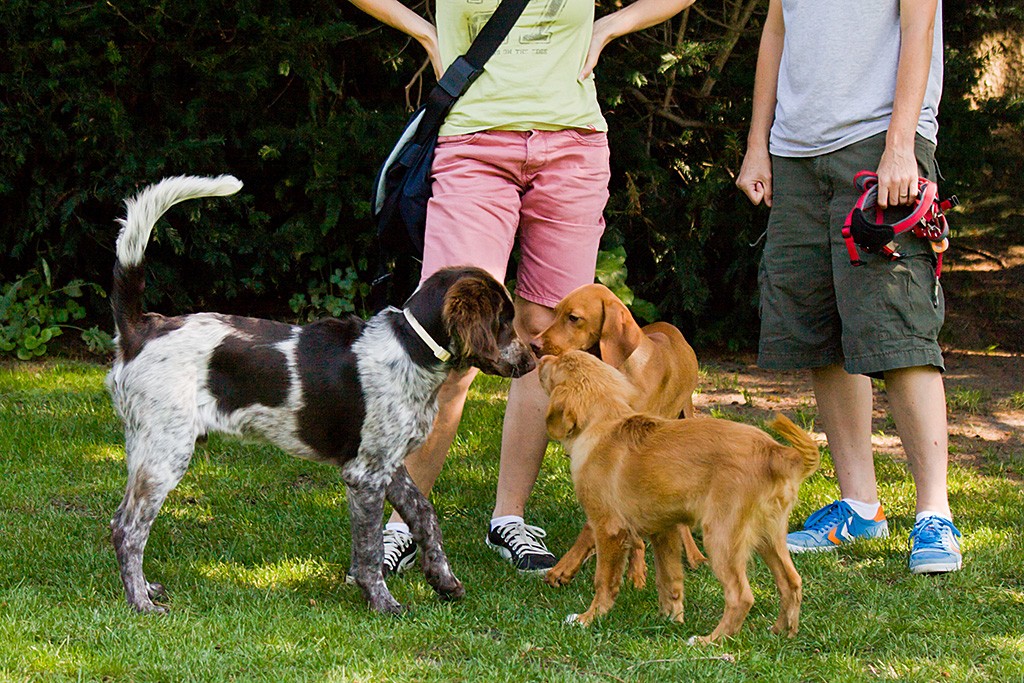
[(471, 314), (561, 418), (620, 335)]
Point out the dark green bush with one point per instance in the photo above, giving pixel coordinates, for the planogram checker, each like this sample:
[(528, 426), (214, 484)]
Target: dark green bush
[(99, 99), (302, 100)]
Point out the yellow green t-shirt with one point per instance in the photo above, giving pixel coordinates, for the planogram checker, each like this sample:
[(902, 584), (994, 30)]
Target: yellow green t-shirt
[(532, 80)]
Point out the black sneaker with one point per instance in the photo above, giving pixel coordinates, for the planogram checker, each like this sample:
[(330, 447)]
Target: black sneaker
[(520, 544), (399, 554)]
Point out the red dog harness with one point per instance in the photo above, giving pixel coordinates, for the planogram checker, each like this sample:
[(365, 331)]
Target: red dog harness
[(927, 220)]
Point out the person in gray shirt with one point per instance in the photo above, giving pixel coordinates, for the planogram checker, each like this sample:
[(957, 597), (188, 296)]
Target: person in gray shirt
[(843, 87)]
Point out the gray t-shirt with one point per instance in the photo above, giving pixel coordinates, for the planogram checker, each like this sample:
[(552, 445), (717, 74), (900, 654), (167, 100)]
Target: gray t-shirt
[(837, 78)]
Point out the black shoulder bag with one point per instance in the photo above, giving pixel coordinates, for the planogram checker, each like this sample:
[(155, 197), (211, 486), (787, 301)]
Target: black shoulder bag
[(402, 187)]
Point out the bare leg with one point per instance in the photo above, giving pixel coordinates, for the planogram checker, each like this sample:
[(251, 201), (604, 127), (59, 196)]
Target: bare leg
[(918, 401), (524, 434), (844, 404)]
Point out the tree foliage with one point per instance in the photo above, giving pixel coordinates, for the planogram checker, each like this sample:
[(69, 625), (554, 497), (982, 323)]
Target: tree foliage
[(302, 100)]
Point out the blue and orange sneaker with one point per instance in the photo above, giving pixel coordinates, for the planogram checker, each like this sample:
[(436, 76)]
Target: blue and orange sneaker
[(934, 548), (833, 525)]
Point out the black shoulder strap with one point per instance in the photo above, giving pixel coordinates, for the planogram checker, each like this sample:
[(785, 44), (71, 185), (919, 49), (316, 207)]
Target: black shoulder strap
[(484, 45), (464, 70)]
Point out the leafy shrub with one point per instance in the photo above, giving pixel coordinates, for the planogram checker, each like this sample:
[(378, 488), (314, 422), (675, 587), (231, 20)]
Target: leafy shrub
[(98, 99), (33, 312), (302, 101), (344, 292)]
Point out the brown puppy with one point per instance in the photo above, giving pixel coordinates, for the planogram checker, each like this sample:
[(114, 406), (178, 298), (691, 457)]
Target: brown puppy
[(638, 475), (656, 359), (658, 362)]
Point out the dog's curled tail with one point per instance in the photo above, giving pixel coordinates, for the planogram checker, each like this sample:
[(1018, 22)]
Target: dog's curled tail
[(801, 441), (143, 211)]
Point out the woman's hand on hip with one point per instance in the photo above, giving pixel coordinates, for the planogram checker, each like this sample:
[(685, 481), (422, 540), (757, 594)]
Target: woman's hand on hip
[(601, 37), (429, 43)]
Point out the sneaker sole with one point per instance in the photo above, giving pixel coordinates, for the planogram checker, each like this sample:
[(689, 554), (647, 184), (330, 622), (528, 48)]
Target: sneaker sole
[(402, 566), (937, 568), (797, 549), (507, 555)]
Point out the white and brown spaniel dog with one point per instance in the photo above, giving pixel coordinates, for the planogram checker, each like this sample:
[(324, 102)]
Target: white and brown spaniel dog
[(358, 394)]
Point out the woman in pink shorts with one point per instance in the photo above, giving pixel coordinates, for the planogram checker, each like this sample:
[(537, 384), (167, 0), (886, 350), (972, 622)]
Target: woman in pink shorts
[(523, 153)]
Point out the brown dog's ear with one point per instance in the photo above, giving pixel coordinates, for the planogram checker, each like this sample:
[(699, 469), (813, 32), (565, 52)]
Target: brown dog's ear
[(544, 370), (471, 314), (620, 335), (561, 418)]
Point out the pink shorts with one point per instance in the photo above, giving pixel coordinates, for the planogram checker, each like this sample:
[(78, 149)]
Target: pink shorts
[(549, 186)]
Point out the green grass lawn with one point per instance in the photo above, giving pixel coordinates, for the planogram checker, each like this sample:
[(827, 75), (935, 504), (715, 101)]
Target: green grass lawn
[(253, 548)]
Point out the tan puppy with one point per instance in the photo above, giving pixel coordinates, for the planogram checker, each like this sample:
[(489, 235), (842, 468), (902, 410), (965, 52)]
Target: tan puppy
[(656, 359), (658, 362), (638, 475)]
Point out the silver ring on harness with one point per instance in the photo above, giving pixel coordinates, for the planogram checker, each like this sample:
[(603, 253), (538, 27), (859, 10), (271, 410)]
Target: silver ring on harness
[(865, 225)]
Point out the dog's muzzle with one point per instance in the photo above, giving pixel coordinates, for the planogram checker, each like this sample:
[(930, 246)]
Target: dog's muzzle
[(522, 359)]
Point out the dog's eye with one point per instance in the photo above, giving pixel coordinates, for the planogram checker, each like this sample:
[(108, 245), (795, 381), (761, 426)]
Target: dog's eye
[(573, 318)]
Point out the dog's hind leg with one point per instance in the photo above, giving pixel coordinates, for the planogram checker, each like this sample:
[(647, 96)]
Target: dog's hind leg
[(668, 573), (694, 557), (775, 554), (421, 517), (154, 469), (366, 508), (728, 543), (636, 568)]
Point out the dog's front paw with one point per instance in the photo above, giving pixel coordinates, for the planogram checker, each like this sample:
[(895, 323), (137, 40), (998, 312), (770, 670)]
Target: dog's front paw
[(379, 599), (674, 612), (443, 581), (637, 575), (558, 576), (387, 606), (583, 620), (455, 591), (697, 561), (149, 607), (786, 629)]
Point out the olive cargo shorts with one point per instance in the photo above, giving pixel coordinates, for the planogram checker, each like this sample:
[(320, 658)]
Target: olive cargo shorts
[(816, 308)]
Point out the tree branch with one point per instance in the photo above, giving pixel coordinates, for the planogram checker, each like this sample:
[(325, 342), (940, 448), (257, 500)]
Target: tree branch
[(664, 113), (735, 30)]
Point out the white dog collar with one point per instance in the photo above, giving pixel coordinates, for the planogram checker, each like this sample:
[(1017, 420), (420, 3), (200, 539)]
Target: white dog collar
[(441, 353)]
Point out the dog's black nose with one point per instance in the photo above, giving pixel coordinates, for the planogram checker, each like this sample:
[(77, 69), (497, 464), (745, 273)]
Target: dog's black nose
[(523, 365), (535, 347)]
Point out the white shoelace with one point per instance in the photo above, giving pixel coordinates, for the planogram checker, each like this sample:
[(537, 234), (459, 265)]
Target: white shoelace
[(395, 545), (523, 538)]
